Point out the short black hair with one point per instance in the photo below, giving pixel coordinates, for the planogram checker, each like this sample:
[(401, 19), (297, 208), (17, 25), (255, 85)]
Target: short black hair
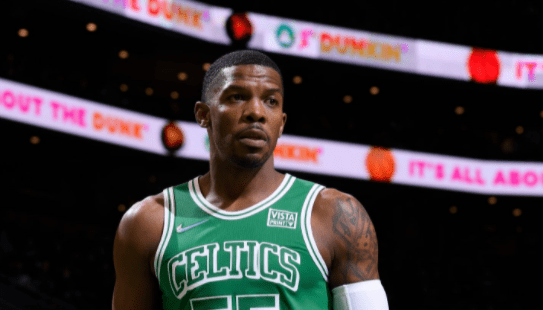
[(241, 57)]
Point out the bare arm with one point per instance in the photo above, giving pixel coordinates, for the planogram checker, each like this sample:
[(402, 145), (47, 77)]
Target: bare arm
[(356, 250), (137, 238), (350, 238)]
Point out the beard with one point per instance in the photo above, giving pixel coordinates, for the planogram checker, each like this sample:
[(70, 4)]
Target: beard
[(250, 161)]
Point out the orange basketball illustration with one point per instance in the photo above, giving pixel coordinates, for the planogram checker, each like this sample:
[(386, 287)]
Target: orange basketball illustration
[(172, 137), (484, 66), (380, 164)]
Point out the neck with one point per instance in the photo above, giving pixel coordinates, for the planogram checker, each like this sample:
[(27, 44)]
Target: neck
[(229, 186)]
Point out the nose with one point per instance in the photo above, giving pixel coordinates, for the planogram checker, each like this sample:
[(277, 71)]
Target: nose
[(255, 111)]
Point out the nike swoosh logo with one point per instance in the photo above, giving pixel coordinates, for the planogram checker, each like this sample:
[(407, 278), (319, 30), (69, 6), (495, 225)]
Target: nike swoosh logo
[(180, 229)]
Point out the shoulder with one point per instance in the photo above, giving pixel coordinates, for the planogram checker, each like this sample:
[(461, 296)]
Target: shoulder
[(332, 202), (348, 217), (144, 213), (141, 226), (343, 213)]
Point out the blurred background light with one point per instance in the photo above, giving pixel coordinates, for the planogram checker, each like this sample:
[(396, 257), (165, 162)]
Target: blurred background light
[(23, 33), (123, 54), (182, 76), (121, 208), (34, 139), (492, 200), (91, 27), (459, 110)]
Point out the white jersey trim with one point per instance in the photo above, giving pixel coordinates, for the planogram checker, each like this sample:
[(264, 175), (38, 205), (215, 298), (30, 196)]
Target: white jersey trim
[(240, 212), (307, 232), (169, 218), (164, 231), (212, 210)]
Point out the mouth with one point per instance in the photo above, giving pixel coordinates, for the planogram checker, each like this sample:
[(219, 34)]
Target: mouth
[(253, 138)]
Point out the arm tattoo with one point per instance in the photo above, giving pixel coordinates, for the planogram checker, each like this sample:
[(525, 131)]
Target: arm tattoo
[(355, 230)]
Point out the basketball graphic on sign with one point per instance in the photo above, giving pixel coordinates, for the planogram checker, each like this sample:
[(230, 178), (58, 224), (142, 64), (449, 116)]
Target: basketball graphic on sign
[(483, 66), (380, 164), (172, 137), (239, 29)]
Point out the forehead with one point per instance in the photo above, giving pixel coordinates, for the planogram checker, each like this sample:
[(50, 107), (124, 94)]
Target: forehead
[(250, 73)]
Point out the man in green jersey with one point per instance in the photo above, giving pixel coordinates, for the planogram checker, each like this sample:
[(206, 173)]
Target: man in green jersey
[(244, 236)]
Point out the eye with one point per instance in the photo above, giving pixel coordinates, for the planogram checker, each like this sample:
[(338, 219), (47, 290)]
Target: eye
[(273, 101), (236, 97)]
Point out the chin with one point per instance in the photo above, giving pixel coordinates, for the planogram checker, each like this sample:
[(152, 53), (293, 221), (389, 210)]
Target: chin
[(250, 162)]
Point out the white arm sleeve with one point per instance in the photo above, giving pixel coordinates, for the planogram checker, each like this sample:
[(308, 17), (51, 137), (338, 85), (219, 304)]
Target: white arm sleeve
[(365, 295)]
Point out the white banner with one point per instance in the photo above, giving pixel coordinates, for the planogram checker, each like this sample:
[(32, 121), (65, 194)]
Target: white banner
[(43, 108), (187, 17), (337, 44), (47, 109), (312, 40)]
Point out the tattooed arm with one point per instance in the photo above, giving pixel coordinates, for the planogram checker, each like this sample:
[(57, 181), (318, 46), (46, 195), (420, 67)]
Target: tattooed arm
[(346, 238)]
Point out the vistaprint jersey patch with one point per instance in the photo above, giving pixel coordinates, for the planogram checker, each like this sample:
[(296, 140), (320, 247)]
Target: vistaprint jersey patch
[(281, 218)]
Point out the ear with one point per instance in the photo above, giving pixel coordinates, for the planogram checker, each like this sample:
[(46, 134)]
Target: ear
[(201, 112), (283, 125)]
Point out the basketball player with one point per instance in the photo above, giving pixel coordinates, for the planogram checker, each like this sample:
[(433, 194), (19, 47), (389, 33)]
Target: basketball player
[(244, 236)]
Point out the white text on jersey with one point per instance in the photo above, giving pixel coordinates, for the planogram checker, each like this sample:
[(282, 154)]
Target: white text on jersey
[(251, 259)]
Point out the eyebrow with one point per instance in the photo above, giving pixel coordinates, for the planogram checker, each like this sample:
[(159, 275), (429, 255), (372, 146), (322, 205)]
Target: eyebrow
[(237, 87)]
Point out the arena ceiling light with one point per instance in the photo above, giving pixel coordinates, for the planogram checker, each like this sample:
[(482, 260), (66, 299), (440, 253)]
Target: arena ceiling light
[(123, 54), (182, 76), (23, 33), (121, 208), (459, 110), (91, 27)]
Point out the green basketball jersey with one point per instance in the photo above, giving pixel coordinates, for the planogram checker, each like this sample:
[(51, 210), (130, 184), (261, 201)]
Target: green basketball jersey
[(262, 257)]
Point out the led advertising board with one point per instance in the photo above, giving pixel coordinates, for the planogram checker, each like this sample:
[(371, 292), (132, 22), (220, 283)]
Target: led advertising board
[(47, 109)]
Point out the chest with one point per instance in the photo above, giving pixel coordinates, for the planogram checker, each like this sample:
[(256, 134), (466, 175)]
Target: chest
[(263, 250), (268, 246)]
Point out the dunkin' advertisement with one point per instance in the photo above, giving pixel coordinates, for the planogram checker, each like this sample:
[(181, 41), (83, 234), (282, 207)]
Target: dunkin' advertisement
[(327, 42), (51, 110), (80, 117), (187, 17)]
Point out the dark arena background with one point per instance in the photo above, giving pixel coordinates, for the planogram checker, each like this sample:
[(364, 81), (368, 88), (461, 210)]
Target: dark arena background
[(440, 246)]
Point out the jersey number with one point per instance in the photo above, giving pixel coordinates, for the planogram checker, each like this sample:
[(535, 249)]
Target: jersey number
[(243, 302)]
